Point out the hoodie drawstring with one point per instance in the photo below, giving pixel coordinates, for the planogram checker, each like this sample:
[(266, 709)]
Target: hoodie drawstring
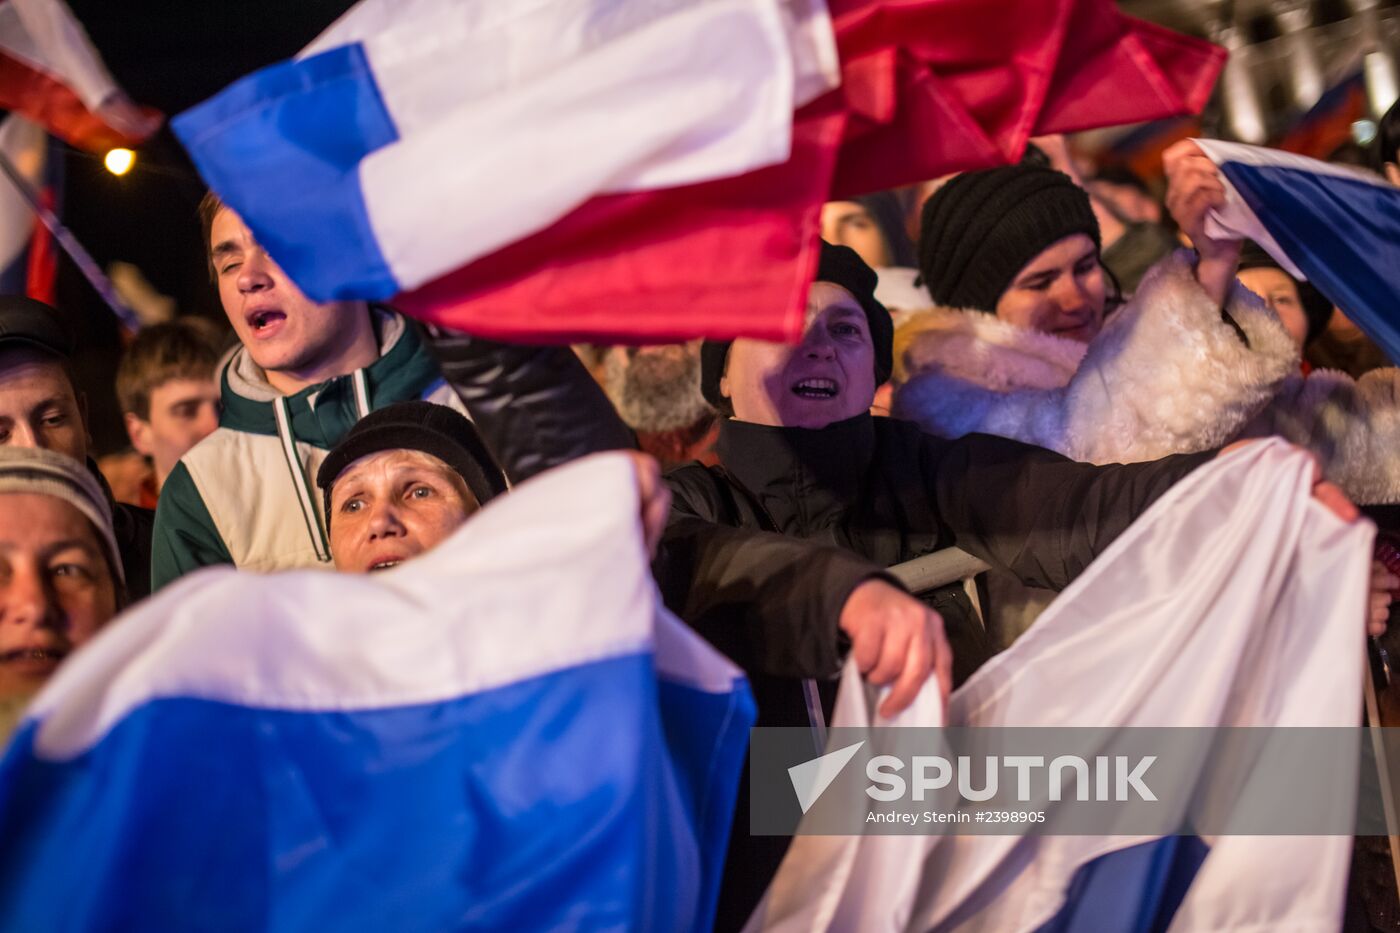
[(305, 495), (299, 480)]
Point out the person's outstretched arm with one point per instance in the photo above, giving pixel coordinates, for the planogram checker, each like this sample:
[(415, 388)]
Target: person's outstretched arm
[(1035, 513), (536, 407)]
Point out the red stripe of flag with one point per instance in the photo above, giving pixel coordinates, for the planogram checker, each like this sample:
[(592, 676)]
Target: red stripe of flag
[(727, 258), (53, 105)]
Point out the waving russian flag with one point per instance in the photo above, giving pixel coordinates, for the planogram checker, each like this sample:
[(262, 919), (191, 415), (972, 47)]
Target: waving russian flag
[(50, 72), (1336, 226), (508, 733), (586, 169), (1267, 635), (411, 140)]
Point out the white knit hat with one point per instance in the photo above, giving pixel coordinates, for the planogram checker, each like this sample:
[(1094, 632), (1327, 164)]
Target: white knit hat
[(45, 473)]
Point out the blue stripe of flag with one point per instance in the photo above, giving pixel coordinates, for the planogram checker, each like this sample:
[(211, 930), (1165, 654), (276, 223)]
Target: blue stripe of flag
[(282, 147), (1342, 233)]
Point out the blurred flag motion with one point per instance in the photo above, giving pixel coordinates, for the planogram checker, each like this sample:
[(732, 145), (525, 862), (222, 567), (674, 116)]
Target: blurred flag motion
[(50, 72), (1333, 225), (398, 759), (584, 169), (28, 262)]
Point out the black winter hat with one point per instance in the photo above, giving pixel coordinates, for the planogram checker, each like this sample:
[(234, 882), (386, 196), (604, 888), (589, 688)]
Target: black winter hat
[(839, 265), (981, 228), (432, 429), (32, 323)]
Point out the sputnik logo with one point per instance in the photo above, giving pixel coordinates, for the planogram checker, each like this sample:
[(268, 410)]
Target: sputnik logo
[(811, 778)]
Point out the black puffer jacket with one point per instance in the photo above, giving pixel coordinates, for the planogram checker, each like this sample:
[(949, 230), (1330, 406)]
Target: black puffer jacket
[(762, 551)]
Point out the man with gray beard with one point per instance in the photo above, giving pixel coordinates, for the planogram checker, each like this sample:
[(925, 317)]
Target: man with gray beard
[(656, 390)]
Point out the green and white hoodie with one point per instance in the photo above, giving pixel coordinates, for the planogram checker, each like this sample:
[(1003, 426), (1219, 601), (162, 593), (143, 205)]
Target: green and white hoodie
[(246, 495)]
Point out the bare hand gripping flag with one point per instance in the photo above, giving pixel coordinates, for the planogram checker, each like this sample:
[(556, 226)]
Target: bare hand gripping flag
[(649, 171), (1236, 601), (1336, 226), (508, 733)]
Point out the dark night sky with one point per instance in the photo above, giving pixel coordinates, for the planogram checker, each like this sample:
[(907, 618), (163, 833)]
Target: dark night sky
[(170, 55)]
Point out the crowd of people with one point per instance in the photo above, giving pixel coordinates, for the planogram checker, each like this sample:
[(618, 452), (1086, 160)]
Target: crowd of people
[(1056, 351)]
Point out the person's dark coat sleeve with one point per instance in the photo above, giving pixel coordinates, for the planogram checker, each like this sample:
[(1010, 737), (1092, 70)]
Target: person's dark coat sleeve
[(536, 407), (1037, 514), (769, 602)]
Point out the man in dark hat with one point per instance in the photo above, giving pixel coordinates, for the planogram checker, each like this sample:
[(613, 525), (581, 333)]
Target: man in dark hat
[(41, 407)]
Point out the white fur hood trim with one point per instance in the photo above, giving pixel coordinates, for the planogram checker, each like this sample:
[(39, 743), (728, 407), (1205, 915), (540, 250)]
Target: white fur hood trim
[(1167, 374), (981, 348), (1353, 425)]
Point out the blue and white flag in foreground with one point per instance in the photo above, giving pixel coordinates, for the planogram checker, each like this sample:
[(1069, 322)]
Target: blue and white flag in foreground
[(412, 138), (508, 733), (1335, 226), (1236, 601)]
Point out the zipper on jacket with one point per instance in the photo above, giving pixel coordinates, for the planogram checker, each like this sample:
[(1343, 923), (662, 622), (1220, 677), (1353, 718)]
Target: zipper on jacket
[(299, 479)]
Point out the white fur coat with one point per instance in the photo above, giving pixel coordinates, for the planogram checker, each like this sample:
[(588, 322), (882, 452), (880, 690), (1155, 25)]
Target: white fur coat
[(1167, 374)]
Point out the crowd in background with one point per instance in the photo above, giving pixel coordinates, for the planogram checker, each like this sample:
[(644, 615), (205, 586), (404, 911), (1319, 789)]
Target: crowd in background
[(1056, 346)]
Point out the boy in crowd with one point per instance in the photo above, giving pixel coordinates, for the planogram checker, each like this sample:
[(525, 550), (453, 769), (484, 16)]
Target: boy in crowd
[(166, 388), (305, 373)]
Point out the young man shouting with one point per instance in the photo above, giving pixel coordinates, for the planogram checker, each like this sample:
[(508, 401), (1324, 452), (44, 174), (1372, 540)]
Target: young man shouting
[(305, 373)]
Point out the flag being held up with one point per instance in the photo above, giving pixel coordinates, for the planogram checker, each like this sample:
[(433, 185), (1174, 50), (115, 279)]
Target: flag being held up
[(507, 733), (1267, 635), (1335, 226), (583, 169)]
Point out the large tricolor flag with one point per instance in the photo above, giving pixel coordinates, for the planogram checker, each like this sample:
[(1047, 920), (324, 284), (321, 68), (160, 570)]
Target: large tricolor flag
[(50, 72), (1336, 226), (508, 733), (412, 139), (1267, 634), (573, 169)]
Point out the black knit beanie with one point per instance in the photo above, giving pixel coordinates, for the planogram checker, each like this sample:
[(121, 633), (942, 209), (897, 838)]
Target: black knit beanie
[(423, 426), (839, 265), (982, 228)]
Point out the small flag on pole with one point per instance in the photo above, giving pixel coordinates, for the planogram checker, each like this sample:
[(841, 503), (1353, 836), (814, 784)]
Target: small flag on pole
[(50, 72)]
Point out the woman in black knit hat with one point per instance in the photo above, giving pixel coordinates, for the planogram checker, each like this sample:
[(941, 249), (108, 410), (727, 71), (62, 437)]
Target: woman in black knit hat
[(1021, 242), (1020, 345)]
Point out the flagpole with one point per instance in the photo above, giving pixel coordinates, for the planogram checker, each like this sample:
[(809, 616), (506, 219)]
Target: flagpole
[(80, 256)]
